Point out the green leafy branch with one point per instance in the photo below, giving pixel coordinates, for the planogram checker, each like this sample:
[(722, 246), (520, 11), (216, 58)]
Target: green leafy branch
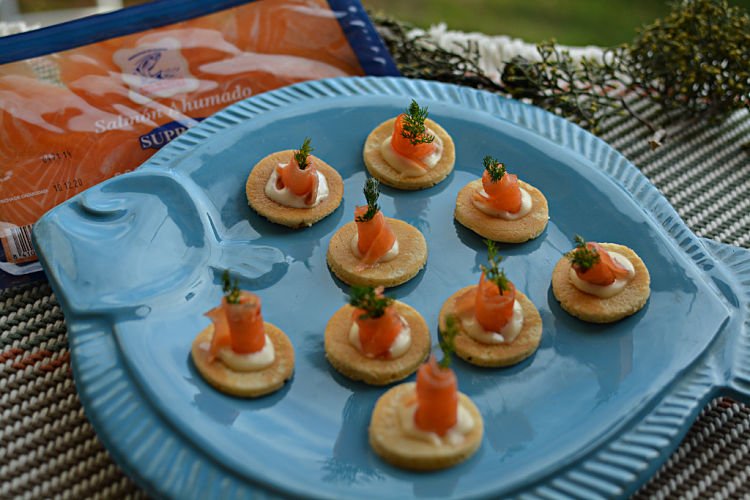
[(585, 92), (421, 57), (694, 64)]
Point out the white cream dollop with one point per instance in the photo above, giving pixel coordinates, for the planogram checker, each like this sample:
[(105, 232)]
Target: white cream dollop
[(249, 362), (285, 197), (391, 254), (526, 206), (455, 435), (400, 344), (407, 166), (605, 291), (506, 335)]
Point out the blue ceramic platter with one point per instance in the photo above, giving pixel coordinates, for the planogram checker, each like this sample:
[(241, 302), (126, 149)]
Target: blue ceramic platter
[(135, 262)]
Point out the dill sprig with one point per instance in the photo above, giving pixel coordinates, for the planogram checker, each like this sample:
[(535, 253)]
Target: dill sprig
[(583, 257), (493, 271), (231, 289), (372, 192), (302, 155), (414, 128), (494, 168), (371, 300), (447, 341)]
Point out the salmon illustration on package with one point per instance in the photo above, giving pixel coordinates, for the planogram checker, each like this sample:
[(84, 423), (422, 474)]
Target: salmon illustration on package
[(87, 100)]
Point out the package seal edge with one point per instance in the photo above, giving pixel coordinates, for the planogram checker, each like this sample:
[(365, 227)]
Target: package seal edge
[(366, 43), (364, 39)]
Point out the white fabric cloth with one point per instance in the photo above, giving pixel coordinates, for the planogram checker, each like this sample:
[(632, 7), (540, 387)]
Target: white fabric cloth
[(11, 28), (495, 51)]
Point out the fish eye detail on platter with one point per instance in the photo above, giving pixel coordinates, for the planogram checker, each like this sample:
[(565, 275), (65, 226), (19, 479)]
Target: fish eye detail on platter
[(500, 207), (410, 151), (239, 353), (601, 282), (294, 188)]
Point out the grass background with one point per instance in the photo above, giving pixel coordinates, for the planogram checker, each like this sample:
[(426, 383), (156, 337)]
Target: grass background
[(570, 22)]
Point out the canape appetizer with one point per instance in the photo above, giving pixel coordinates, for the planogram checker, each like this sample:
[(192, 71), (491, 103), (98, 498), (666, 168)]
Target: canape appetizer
[(500, 207), (376, 250), (427, 425), (376, 339), (239, 353), (294, 188), (498, 324), (410, 151), (601, 282)]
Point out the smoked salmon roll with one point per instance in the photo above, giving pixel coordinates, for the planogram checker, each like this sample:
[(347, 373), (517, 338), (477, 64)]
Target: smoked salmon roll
[(601, 282), (501, 207), (376, 339), (428, 424), (374, 250), (294, 188), (240, 353), (409, 151), (497, 324)]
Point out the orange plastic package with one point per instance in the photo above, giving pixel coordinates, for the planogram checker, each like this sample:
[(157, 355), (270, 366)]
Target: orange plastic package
[(119, 86)]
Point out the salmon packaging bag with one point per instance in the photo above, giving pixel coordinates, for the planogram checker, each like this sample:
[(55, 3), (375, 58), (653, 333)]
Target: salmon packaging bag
[(86, 100)]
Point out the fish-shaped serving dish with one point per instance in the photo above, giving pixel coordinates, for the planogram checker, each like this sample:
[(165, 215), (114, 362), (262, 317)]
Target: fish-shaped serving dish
[(137, 260)]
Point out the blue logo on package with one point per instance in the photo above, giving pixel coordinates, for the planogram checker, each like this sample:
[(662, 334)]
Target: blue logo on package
[(155, 71), (146, 63), (160, 136)]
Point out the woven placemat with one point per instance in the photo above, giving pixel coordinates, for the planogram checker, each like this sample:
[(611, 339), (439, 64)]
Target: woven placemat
[(706, 176), (48, 448)]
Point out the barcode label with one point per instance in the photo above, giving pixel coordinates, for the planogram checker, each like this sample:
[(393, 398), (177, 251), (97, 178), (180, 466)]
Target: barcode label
[(17, 244)]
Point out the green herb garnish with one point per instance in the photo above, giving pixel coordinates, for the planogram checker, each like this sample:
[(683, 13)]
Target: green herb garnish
[(372, 192), (414, 128), (494, 168), (370, 300), (302, 156), (447, 341), (231, 290), (493, 272), (583, 257)]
